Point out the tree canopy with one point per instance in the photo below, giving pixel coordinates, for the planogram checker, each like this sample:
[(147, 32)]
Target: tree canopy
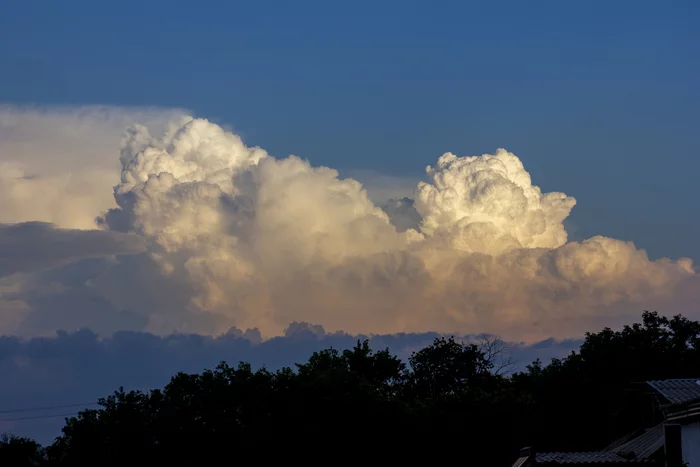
[(450, 401)]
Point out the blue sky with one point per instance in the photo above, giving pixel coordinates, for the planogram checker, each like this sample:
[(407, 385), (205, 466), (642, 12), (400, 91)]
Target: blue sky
[(599, 99)]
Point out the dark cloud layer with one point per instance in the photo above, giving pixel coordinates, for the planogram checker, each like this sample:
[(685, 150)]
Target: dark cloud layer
[(31, 246), (79, 367)]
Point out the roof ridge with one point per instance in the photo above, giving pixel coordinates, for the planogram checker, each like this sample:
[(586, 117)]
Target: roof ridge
[(674, 379), (678, 390)]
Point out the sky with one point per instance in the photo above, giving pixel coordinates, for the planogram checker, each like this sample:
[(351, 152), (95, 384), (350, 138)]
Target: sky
[(598, 97), (525, 169)]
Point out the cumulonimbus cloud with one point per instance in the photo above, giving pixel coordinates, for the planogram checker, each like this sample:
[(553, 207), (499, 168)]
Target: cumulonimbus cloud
[(58, 165), (245, 239)]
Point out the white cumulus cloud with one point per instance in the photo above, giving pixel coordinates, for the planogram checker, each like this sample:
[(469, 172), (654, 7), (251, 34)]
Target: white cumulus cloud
[(238, 237), (58, 165), (488, 204)]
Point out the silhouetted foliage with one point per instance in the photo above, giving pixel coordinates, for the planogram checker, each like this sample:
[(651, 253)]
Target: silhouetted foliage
[(452, 401), (589, 398), (17, 451)]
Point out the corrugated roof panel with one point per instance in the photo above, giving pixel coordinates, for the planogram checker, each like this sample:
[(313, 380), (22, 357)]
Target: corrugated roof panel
[(643, 446), (521, 461), (598, 457), (620, 441), (677, 391), (689, 410), (638, 450)]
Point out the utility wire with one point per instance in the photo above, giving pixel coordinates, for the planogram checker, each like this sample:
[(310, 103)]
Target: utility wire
[(51, 407), (37, 417)]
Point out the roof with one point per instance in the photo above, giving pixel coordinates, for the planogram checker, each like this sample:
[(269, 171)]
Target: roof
[(599, 457), (521, 461), (526, 455), (677, 391), (643, 446), (639, 449), (620, 441), (680, 412)]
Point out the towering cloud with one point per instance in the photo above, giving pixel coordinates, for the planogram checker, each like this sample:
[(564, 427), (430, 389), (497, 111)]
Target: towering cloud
[(487, 204), (237, 237), (59, 165)]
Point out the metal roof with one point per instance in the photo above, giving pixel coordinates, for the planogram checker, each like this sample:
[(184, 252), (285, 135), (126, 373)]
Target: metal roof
[(643, 446), (677, 391), (636, 450), (685, 411), (599, 457), (620, 441)]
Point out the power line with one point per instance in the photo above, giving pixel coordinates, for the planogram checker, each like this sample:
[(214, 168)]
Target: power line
[(38, 416), (51, 407)]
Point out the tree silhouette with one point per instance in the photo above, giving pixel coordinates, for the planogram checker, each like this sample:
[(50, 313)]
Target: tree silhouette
[(451, 401), (587, 399), (19, 452)]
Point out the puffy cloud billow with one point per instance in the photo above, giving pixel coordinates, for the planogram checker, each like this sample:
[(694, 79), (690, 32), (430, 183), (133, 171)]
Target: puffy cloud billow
[(233, 237)]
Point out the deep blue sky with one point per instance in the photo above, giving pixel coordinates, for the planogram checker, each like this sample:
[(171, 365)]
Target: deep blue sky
[(599, 98)]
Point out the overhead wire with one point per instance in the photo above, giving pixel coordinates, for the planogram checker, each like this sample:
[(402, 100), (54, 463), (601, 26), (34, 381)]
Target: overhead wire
[(50, 407), (38, 417)]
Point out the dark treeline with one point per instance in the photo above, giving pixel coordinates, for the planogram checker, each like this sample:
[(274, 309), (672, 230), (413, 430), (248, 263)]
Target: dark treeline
[(450, 401)]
